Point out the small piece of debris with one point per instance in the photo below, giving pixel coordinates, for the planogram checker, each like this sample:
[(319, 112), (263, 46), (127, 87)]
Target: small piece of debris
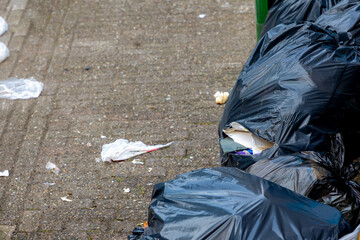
[(51, 166), (3, 26), (102, 136), (150, 169), (202, 15), (98, 159), (87, 68), (89, 144), (4, 52), (168, 98), (65, 199), (49, 184), (221, 97), (137, 161), (4, 173), (126, 190)]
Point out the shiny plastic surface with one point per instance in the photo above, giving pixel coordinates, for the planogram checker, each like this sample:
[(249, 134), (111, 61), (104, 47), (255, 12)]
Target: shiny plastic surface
[(227, 203), (300, 89), (295, 11)]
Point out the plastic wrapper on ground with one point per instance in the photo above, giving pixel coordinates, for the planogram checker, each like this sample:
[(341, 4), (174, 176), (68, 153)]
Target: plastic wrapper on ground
[(14, 88), (4, 52), (227, 203)]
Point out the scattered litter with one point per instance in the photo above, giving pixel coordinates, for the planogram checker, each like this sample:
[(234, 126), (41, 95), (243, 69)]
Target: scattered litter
[(168, 98), (87, 68), (51, 166), (221, 97), (102, 136), (3, 26), (98, 159), (89, 144), (4, 173), (122, 149), (14, 88), (49, 184), (137, 161), (149, 184), (65, 199), (202, 15), (126, 190), (150, 169), (244, 137), (4, 52)]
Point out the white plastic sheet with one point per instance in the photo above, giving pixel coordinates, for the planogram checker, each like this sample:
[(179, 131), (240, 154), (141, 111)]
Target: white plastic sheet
[(4, 52), (14, 88), (3, 26), (122, 149)]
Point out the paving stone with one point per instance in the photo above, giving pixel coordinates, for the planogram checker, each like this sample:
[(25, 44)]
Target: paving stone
[(153, 67), (30, 221), (6, 232)]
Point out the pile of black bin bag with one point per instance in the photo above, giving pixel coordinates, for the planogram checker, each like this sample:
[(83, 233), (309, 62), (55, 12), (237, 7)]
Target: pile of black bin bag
[(299, 90)]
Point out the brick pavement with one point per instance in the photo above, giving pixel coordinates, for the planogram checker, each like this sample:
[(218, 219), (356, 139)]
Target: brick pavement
[(154, 66)]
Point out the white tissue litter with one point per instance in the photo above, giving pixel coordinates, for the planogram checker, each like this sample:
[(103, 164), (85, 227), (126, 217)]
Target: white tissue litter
[(14, 88), (4, 173), (202, 15), (122, 149), (51, 166), (126, 190), (3, 26), (4, 52)]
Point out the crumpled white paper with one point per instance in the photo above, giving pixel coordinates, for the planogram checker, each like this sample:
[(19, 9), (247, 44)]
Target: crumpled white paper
[(122, 149), (244, 137), (4, 52), (4, 173), (51, 166), (14, 88), (3, 26)]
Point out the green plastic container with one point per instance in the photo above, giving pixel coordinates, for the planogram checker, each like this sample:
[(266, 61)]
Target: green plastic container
[(261, 13)]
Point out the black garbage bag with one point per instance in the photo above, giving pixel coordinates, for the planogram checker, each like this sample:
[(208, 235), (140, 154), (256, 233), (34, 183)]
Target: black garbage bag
[(300, 86), (295, 11), (300, 90), (306, 174), (227, 203)]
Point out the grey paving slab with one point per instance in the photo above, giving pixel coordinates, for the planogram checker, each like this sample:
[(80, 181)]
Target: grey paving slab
[(141, 70)]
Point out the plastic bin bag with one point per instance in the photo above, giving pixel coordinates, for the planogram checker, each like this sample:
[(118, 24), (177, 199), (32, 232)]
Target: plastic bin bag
[(300, 90), (227, 203), (300, 86), (306, 174), (295, 11)]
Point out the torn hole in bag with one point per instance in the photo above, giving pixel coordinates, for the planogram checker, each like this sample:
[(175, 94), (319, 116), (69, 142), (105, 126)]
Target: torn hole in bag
[(241, 135)]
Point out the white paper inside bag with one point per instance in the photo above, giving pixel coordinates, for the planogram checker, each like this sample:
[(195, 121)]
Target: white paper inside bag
[(242, 136)]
